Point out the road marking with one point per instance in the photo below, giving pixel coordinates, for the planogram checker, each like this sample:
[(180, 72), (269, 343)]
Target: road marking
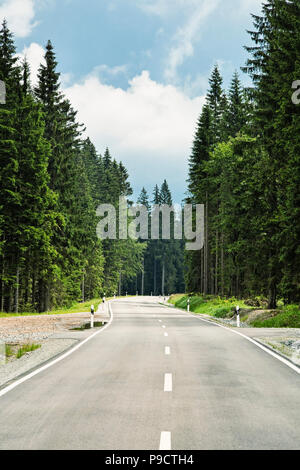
[(166, 334), (163, 326), (168, 386), (165, 441), (7, 389), (159, 321), (167, 351), (260, 346)]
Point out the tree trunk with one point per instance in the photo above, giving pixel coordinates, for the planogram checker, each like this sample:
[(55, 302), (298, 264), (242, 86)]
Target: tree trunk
[(163, 279), (154, 276), (47, 297), (237, 287), (26, 288), (206, 268), (17, 290), (222, 264), (120, 285), (143, 277), (83, 286), (217, 263), (2, 287), (202, 272), (272, 295), (41, 296), (33, 290)]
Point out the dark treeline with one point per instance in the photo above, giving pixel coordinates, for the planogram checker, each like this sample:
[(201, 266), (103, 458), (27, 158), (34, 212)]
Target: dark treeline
[(245, 168), (52, 181), (162, 272)]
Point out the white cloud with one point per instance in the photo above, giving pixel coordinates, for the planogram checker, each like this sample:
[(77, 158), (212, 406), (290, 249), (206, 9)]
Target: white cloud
[(186, 36), (105, 72), (249, 6), (19, 15), (190, 16), (165, 7), (149, 126), (35, 56)]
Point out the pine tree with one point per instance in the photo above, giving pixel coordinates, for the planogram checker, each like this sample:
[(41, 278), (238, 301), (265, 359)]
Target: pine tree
[(143, 199), (217, 102), (272, 67), (235, 117)]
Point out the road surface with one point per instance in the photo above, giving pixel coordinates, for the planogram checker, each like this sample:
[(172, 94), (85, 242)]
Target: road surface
[(156, 377)]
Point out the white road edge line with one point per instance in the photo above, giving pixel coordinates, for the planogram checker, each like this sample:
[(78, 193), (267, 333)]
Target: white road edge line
[(55, 361), (251, 340), (167, 351), (168, 385), (165, 441)]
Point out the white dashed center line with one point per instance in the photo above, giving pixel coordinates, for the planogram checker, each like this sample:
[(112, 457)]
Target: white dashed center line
[(168, 386), (165, 441), (166, 334)]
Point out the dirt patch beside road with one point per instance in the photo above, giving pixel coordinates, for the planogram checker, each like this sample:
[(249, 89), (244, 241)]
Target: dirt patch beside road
[(35, 328), (55, 334)]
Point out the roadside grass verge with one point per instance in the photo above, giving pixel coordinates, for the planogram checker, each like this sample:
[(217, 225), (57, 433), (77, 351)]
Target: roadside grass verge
[(78, 307), (26, 349), (8, 351), (175, 298), (283, 317), (286, 317), (16, 351), (208, 305)]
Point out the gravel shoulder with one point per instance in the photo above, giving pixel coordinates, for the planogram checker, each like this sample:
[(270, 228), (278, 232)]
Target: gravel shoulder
[(54, 333)]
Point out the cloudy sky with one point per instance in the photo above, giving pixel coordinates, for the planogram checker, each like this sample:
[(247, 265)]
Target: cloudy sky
[(137, 70)]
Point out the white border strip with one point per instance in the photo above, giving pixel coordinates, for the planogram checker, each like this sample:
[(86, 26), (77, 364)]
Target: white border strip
[(55, 361)]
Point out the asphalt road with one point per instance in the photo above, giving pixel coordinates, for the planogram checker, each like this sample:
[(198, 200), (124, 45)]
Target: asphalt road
[(156, 377)]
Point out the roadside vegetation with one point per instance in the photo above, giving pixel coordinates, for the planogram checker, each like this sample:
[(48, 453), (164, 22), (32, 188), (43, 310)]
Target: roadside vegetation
[(252, 311), (16, 351), (208, 304), (284, 317), (26, 349)]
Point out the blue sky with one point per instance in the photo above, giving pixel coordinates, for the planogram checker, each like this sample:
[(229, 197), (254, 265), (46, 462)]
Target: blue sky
[(137, 70)]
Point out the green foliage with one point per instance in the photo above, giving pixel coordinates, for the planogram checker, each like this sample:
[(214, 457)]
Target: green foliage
[(208, 305), (223, 312), (26, 349), (288, 318), (51, 184), (163, 259), (245, 168)]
